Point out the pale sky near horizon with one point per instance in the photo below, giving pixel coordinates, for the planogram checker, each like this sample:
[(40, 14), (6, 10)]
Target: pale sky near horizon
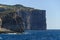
[(52, 8)]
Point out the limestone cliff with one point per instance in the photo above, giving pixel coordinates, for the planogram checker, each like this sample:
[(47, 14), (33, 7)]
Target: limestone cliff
[(18, 17)]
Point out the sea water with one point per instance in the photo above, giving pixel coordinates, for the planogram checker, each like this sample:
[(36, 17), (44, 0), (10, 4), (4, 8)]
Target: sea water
[(32, 35)]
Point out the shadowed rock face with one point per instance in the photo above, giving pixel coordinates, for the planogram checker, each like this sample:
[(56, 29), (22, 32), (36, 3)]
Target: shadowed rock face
[(17, 18), (14, 24), (34, 20), (38, 20), (2, 9)]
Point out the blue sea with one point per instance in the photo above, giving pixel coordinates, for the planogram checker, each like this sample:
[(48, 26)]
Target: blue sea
[(33, 35)]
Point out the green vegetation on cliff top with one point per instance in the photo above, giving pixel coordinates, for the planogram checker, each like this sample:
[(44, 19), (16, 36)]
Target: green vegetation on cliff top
[(14, 7), (5, 9)]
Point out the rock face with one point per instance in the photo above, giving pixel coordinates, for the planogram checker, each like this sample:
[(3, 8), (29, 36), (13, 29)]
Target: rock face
[(34, 20), (12, 23), (38, 20), (17, 18)]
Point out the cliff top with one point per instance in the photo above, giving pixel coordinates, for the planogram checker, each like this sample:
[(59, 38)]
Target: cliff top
[(5, 9), (14, 7)]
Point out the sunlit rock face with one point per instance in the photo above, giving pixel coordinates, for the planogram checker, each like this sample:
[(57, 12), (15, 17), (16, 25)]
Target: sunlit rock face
[(0, 22)]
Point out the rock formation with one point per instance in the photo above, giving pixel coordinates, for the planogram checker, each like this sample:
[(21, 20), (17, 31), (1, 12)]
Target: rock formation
[(18, 18)]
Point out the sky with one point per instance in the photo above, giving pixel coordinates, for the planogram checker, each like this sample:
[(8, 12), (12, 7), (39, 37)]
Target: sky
[(52, 8)]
